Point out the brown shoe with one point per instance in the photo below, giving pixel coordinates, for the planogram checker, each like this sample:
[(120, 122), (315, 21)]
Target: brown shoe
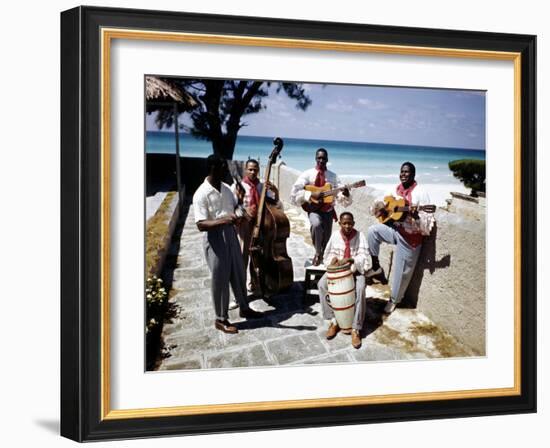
[(333, 329), (355, 339), (225, 326)]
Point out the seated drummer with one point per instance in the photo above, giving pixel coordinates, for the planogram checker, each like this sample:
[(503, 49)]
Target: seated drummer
[(346, 245)]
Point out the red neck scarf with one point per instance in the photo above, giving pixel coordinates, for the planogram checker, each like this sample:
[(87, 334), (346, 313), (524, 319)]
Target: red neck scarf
[(347, 241), (254, 196), (406, 192), (320, 179)]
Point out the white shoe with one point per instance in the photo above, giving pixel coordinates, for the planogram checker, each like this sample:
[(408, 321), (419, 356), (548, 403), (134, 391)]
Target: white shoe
[(233, 304), (390, 307)]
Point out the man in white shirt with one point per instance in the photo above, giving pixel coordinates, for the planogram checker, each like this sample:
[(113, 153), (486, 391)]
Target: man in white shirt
[(345, 245), (407, 235), (320, 217), (214, 206)]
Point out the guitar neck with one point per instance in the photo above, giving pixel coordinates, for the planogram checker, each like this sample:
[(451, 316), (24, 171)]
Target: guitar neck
[(337, 190), (334, 191), (408, 208)]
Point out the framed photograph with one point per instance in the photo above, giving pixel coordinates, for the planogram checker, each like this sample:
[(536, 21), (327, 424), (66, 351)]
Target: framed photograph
[(278, 224)]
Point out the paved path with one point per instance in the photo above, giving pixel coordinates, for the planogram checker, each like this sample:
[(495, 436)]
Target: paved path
[(292, 331)]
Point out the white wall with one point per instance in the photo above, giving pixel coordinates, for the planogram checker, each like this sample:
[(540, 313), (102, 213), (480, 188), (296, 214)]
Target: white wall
[(30, 218)]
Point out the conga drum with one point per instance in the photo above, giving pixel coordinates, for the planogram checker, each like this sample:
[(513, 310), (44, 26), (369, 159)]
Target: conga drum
[(341, 292)]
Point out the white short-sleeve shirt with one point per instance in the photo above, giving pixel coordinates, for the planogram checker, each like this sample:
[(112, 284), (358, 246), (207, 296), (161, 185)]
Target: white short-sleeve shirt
[(209, 203)]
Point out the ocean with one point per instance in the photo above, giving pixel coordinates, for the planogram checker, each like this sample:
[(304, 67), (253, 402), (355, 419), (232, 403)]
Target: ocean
[(377, 163)]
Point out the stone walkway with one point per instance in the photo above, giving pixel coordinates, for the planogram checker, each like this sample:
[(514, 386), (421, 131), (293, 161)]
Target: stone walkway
[(292, 331)]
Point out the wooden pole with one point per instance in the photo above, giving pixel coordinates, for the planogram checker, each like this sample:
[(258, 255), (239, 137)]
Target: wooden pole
[(178, 168)]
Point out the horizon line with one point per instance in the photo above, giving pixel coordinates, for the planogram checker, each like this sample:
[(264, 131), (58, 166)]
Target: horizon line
[(340, 141)]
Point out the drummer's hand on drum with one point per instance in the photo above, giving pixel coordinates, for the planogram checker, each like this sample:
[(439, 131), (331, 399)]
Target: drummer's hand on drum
[(334, 261)]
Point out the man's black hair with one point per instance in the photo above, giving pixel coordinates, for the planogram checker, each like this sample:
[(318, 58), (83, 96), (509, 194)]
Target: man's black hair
[(214, 160), (321, 150), (350, 214), (411, 167), (252, 161)]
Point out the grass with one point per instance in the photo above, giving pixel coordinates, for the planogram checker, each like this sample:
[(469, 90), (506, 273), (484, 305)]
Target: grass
[(156, 233)]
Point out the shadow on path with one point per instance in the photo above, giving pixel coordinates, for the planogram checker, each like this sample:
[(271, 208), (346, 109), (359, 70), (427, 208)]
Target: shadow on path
[(284, 306), (426, 262)]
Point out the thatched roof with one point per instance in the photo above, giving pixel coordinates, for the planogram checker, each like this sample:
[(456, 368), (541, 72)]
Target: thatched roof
[(159, 91)]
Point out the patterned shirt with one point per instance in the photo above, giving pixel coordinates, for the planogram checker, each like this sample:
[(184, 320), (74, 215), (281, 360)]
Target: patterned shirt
[(247, 190)]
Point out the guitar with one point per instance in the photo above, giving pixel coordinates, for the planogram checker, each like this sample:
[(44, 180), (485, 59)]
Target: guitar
[(395, 209), (327, 194)]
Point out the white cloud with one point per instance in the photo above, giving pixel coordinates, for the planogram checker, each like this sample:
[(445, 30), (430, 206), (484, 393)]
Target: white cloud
[(371, 104), (340, 106)]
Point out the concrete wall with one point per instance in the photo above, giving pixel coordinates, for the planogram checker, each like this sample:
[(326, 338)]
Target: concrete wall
[(449, 282), (160, 172)]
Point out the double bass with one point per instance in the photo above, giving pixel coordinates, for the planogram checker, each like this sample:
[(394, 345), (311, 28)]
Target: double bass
[(268, 252)]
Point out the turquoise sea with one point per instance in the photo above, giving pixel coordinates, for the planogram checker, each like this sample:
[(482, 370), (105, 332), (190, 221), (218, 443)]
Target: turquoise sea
[(378, 163)]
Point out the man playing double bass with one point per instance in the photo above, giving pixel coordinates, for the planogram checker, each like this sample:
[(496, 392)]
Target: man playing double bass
[(320, 217), (252, 187)]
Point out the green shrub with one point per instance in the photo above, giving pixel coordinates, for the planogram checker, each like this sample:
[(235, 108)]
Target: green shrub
[(471, 172)]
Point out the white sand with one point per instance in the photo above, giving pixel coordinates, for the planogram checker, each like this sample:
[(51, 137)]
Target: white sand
[(437, 192)]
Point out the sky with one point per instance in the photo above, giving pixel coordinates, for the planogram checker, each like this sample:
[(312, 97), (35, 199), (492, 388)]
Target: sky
[(397, 115)]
